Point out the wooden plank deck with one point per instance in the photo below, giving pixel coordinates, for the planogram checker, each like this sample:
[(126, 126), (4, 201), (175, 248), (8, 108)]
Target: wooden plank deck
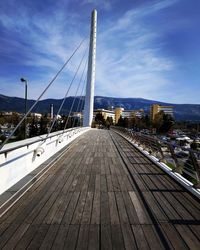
[(103, 194)]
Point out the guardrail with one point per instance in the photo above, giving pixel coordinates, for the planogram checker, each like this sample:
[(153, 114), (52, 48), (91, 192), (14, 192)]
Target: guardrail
[(186, 163), (18, 159)]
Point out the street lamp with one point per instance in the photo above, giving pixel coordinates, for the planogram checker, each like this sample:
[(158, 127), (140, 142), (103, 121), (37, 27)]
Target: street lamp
[(25, 105)]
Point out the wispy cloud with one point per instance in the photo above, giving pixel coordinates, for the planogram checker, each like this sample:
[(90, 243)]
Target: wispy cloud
[(130, 59), (104, 4)]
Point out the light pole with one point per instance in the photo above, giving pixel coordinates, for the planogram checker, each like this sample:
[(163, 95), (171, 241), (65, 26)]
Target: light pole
[(25, 105)]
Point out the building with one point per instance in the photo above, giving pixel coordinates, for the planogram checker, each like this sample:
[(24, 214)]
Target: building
[(119, 112), (36, 115), (105, 113), (156, 108)]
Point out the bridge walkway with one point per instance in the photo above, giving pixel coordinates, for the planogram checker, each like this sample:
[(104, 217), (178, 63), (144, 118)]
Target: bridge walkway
[(103, 194)]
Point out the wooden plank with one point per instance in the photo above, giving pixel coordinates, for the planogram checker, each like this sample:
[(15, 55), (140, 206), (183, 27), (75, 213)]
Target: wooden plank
[(141, 213), (166, 206), (129, 183), (86, 218), (195, 213), (114, 216), (94, 235), (50, 236), (77, 216), (24, 242), (38, 237), (140, 237), (140, 183), (60, 237), (62, 209), (188, 236), (117, 238), (105, 210), (109, 183), (72, 237), (129, 240), (82, 243), (44, 210), (12, 242), (132, 215), (196, 230), (80, 183), (116, 186), (96, 209), (147, 181), (106, 241), (52, 211), (121, 208), (173, 236), (98, 183), (155, 207), (72, 187), (3, 227), (85, 183), (8, 234), (121, 183), (103, 184), (152, 237), (91, 186), (70, 209), (67, 184), (180, 209)]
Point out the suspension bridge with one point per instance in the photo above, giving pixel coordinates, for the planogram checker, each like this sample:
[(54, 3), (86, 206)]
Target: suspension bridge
[(84, 188)]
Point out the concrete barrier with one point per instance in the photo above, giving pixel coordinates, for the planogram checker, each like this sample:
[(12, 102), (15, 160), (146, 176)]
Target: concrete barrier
[(18, 159)]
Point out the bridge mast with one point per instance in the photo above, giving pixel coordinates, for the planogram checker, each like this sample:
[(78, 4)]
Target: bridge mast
[(89, 97)]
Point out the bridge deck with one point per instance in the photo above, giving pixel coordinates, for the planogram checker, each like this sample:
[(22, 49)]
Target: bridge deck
[(103, 194)]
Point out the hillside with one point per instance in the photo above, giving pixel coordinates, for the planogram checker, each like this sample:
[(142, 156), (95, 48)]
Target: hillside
[(189, 112)]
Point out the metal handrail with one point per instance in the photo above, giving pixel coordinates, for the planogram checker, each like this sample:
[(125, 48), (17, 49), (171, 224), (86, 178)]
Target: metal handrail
[(164, 151), (37, 140)]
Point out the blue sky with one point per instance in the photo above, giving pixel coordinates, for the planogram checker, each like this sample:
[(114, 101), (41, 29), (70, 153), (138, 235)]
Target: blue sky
[(145, 48)]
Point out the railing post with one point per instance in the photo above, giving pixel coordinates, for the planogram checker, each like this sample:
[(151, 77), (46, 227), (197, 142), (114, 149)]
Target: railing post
[(196, 166), (161, 152), (177, 167)]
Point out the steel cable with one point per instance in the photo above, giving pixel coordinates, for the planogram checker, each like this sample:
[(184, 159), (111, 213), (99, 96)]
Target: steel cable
[(44, 91)]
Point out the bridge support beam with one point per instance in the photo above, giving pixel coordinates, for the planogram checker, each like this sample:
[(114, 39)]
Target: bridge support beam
[(89, 97)]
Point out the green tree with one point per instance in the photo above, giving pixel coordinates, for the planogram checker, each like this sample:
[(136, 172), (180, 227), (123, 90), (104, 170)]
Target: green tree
[(34, 131), (99, 119), (44, 122), (163, 122)]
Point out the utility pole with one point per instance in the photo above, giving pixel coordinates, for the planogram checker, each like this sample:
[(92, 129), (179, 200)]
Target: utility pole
[(25, 104), (89, 98)]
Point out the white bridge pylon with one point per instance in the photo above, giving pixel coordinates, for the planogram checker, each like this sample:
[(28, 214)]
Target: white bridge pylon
[(89, 97)]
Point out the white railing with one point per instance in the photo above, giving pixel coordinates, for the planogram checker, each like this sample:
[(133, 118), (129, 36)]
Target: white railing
[(18, 159)]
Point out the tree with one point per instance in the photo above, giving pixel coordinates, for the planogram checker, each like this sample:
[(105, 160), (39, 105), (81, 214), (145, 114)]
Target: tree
[(99, 119), (44, 121), (121, 122), (33, 128), (163, 122)]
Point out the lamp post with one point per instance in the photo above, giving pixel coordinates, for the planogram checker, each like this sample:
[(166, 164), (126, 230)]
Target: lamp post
[(25, 105)]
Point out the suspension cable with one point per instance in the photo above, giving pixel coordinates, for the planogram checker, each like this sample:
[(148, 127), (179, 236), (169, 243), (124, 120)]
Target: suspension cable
[(79, 102), (82, 104), (75, 96), (44, 91), (66, 94)]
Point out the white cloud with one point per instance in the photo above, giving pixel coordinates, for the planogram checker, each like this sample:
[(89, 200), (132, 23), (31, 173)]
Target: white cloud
[(104, 4), (130, 62)]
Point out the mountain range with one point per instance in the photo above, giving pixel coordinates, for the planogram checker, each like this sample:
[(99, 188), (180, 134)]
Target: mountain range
[(184, 112)]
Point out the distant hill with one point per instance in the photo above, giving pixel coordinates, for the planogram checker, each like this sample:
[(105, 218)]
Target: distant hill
[(187, 112)]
